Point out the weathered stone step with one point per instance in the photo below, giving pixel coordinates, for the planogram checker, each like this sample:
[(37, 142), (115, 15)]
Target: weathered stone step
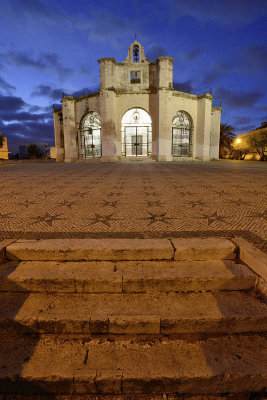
[(212, 313), (121, 249), (66, 365), (127, 276)]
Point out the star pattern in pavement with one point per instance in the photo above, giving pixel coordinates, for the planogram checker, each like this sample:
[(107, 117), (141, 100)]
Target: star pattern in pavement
[(102, 219)]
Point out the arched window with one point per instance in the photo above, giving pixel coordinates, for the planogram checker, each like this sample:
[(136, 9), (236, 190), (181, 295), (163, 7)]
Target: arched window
[(182, 135), (136, 53), (136, 133), (90, 130)]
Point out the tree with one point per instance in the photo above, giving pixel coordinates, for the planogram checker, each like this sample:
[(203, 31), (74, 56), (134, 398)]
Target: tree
[(242, 148), (226, 138), (258, 140), (33, 151)]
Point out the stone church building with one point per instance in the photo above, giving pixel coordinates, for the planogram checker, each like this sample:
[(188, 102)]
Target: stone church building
[(137, 113)]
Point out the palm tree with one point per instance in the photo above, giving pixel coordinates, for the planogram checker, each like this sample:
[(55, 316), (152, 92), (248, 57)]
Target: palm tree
[(226, 138)]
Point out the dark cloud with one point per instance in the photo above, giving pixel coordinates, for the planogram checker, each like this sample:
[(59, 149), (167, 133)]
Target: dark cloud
[(238, 99), (227, 12), (6, 87), (45, 61), (35, 108), (47, 91), (23, 116), (13, 103), (56, 94), (29, 132), (85, 91), (155, 51)]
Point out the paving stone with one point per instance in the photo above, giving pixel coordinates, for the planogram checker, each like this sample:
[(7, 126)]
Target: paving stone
[(204, 249), (91, 249), (129, 200)]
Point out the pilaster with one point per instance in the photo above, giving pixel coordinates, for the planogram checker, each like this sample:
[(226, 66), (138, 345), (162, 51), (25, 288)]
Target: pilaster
[(108, 126), (203, 129), (70, 131), (164, 127)]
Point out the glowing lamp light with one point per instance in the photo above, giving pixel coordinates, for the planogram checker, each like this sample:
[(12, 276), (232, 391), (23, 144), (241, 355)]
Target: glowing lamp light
[(238, 140)]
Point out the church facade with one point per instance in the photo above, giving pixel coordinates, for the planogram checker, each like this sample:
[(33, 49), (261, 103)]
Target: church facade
[(136, 113)]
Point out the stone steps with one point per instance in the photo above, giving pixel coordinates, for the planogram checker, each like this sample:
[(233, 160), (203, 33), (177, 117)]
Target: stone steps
[(132, 317), (132, 366), (124, 276), (138, 313), (121, 249)]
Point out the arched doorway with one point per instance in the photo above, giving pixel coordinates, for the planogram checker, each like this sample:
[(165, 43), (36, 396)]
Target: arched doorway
[(182, 135), (136, 133), (90, 130)]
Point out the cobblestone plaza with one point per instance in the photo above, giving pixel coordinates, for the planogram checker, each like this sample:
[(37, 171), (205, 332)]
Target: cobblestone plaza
[(134, 200)]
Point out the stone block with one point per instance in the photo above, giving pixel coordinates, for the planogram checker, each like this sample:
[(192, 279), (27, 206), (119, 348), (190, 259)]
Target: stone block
[(204, 249), (253, 257), (137, 324), (109, 381), (90, 249)]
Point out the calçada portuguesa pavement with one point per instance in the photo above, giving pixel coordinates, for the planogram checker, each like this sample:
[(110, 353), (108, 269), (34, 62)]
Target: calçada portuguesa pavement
[(134, 200)]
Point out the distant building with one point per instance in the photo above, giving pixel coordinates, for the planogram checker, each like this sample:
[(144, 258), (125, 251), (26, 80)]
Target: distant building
[(4, 149), (137, 113), (43, 147), (253, 154)]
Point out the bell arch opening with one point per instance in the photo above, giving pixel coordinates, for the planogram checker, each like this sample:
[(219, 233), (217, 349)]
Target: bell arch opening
[(90, 136), (136, 133), (182, 131)]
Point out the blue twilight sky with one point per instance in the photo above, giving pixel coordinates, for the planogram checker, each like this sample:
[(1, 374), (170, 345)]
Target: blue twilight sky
[(49, 46)]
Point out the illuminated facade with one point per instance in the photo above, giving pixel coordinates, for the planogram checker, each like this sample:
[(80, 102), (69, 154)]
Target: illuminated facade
[(137, 113), (3, 148)]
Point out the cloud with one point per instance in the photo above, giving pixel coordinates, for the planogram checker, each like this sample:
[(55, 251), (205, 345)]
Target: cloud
[(47, 91), (155, 51), (14, 103), (56, 94), (45, 61), (85, 91), (238, 99), (24, 116), (227, 12), (27, 132), (6, 87)]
